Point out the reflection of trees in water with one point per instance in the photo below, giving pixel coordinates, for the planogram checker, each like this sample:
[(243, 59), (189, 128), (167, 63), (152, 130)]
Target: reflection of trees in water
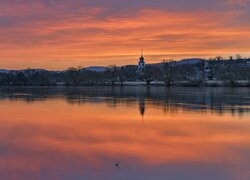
[(219, 100)]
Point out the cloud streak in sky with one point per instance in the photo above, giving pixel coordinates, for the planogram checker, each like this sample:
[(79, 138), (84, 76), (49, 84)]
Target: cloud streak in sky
[(242, 3), (56, 34)]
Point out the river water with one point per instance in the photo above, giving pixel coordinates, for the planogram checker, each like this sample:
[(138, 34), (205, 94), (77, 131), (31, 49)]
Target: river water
[(155, 133)]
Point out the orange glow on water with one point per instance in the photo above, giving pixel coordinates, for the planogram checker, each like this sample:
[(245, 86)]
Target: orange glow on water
[(49, 134)]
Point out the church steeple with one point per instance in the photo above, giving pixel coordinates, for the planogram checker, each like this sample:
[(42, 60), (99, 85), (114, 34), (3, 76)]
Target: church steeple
[(142, 58), (141, 65)]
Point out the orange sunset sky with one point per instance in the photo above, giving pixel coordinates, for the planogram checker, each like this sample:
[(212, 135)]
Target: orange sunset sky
[(56, 34)]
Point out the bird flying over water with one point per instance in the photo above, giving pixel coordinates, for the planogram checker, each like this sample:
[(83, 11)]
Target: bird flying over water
[(118, 165)]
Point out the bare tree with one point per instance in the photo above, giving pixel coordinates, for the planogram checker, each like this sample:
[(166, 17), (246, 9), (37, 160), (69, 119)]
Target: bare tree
[(232, 71), (150, 74), (121, 75), (219, 58), (168, 72), (238, 57), (73, 75), (112, 73)]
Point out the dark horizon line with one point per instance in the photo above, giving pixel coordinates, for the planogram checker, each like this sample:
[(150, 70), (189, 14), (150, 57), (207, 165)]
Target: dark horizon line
[(107, 66)]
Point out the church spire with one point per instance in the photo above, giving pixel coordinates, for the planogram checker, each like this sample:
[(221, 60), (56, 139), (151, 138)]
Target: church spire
[(142, 58), (141, 65)]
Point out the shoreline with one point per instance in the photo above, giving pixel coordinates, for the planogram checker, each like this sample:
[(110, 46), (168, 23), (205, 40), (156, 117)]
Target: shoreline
[(194, 83)]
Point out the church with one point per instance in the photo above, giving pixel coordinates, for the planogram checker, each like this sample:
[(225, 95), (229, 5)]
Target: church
[(141, 66)]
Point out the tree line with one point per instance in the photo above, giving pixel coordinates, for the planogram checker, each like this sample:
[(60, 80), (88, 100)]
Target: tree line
[(230, 71)]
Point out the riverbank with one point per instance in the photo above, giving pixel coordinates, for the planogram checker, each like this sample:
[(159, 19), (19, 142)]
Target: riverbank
[(195, 83), (209, 83)]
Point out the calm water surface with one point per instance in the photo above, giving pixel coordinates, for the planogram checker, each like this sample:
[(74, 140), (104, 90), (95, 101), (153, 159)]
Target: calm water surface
[(156, 133)]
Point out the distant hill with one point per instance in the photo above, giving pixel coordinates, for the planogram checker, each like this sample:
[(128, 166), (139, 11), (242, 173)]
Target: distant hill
[(4, 71), (189, 61), (96, 68), (181, 62)]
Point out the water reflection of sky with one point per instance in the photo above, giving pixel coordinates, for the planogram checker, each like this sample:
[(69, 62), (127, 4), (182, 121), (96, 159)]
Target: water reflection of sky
[(220, 100), (81, 133)]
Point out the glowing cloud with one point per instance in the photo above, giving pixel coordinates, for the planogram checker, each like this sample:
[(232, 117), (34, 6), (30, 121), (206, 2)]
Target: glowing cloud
[(58, 34)]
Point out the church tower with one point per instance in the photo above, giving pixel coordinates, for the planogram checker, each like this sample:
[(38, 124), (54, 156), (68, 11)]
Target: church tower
[(141, 65)]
